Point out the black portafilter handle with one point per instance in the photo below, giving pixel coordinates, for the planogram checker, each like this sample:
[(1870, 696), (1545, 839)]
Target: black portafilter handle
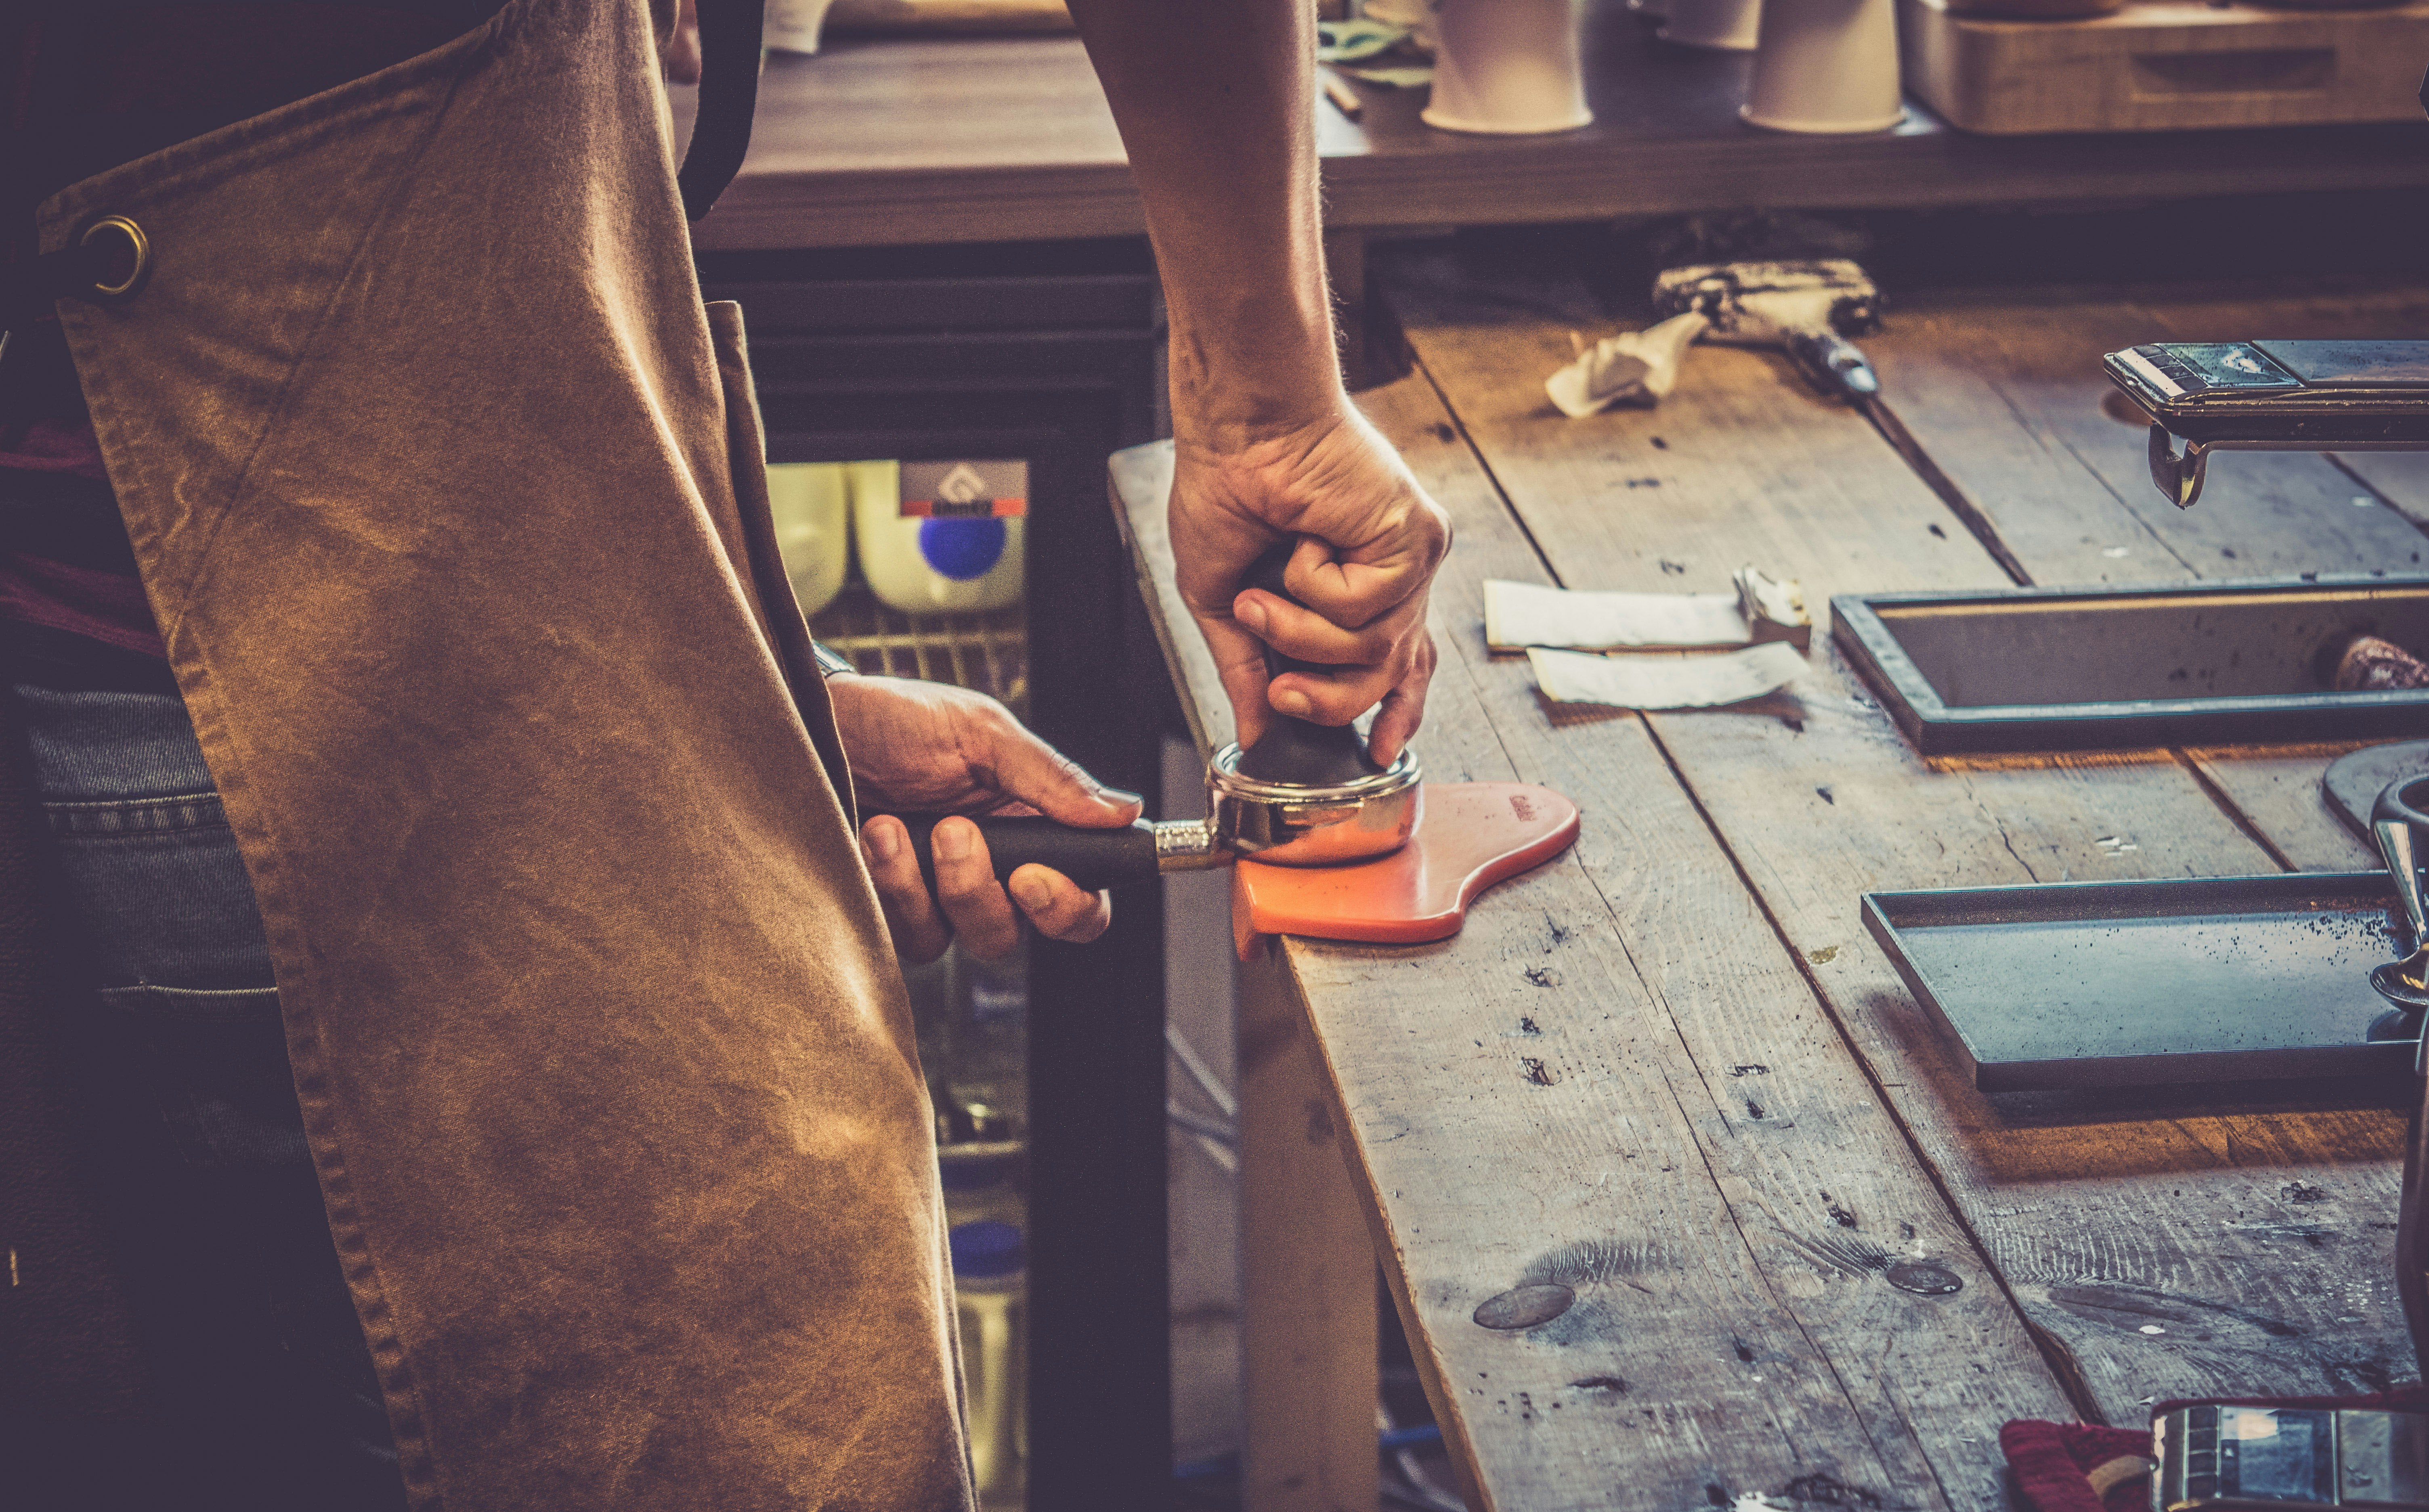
[(1092, 858), (1297, 750), (1290, 750)]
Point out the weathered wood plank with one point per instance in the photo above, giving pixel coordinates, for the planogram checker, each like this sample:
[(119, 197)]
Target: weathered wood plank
[(2240, 1239), (1616, 1079), (881, 142), (2401, 477), (1309, 1377), (2277, 790), (2009, 399), (2008, 396)]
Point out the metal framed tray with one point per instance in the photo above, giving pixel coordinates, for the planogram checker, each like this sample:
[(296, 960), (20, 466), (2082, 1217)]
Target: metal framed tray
[(2088, 984), (2181, 664)]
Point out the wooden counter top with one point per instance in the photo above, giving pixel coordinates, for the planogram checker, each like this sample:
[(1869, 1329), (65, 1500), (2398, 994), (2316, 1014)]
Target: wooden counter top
[(902, 142), (1670, 1071)]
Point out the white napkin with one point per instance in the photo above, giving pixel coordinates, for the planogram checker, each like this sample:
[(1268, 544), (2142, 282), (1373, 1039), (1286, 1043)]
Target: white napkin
[(1632, 366)]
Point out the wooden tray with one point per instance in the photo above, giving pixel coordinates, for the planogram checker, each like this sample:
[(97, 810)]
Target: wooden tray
[(2166, 67), (2200, 664)]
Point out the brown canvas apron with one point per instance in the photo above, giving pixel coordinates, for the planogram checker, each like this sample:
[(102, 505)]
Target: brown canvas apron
[(447, 497)]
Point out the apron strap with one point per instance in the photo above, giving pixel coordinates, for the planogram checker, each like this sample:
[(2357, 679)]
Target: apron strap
[(728, 96), (110, 260)]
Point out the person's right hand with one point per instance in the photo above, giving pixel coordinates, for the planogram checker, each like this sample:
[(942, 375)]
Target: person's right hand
[(1369, 542)]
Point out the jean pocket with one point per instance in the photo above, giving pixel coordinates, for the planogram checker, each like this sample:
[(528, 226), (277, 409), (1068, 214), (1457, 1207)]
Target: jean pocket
[(219, 1061), (160, 889)]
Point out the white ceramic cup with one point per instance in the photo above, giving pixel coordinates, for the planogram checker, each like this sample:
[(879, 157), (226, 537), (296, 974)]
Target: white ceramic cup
[(1507, 68), (1725, 25), (1828, 66)]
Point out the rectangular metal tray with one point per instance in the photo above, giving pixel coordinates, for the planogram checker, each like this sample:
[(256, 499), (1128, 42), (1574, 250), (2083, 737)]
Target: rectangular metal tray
[(2183, 664), (2088, 984)]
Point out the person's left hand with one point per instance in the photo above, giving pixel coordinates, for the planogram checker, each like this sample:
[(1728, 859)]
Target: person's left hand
[(934, 747)]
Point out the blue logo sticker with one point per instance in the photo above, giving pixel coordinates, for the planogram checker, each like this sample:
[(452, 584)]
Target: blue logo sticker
[(962, 549)]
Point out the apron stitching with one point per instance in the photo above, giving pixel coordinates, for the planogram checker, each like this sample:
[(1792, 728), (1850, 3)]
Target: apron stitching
[(400, 1383)]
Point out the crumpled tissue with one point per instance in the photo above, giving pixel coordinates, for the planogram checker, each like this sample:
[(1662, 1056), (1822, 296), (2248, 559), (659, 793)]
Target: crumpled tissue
[(1634, 367)]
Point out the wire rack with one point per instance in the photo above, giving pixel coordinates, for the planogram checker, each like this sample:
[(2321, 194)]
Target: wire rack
[(988, 651)]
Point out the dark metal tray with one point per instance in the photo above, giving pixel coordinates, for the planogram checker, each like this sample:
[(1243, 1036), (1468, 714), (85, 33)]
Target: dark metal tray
[(2087, 984), (2185, 664)]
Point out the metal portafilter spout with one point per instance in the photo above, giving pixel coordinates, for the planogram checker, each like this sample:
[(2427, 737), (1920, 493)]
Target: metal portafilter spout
[(1304, 794), (2395, 823)]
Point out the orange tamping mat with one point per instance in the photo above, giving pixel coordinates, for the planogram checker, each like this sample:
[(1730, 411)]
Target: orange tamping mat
[(1471, 835)]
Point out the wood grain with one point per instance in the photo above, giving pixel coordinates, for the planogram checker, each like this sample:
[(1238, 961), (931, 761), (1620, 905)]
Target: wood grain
[(898, 142), (2008, 396), (1309, 1377), (2160, 1245), (2399, 478), (1615, 1079), (2164, 64)]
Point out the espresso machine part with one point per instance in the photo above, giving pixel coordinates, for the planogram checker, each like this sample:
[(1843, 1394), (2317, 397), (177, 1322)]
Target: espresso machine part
[(1279, 824), (2395, 824), (2272, 396)]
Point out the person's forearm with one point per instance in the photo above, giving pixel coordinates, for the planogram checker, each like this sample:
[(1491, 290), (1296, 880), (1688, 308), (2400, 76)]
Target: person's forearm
[(1215, 99)]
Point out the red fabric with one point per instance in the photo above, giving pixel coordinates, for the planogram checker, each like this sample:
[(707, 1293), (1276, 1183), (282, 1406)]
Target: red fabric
[(102, 606), (2053, 1462), (53, 446)]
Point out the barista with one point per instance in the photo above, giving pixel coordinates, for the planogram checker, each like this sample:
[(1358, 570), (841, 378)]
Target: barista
[(400, 660)]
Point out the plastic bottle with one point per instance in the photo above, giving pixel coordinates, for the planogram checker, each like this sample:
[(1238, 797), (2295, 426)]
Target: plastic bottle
[(987, 1046), (813, 528), (932, 566), (982, 1182), (990, 1281)]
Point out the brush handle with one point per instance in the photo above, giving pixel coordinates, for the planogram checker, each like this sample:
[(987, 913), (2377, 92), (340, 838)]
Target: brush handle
[(1298, 751), (1094, 859), (1836, 364)]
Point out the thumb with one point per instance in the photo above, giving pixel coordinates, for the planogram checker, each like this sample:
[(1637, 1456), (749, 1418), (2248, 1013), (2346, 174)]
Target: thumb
[(1033, 772), (1240, 662)]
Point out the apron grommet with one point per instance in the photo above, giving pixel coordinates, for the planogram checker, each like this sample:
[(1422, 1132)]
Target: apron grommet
[(137, 241)]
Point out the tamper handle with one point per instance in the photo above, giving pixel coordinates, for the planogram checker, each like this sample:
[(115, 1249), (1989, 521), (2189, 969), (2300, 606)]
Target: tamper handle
[(1298, 750)]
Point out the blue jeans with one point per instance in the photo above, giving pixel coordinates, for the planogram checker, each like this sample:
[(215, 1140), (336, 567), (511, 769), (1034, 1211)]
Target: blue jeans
[(262, 1380)]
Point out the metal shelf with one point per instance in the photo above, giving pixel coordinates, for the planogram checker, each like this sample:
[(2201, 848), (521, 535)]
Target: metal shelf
[(988, 653)]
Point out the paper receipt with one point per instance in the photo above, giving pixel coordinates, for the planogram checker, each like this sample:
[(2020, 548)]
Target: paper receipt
[(1666, 680)]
